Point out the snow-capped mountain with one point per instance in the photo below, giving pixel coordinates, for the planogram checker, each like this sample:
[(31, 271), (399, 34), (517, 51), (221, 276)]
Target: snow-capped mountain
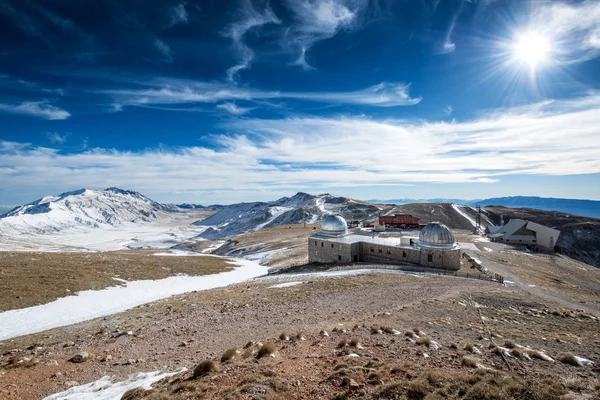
[(82, 208), (302, 207)]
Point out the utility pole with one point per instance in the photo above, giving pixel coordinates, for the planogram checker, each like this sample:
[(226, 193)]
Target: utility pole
[(478, 218)]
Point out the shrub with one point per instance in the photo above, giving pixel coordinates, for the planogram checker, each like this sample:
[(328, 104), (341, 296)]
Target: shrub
[(284, 336), (229, 355), (342, 343), (204, 368), (355, 342), (266, 350)]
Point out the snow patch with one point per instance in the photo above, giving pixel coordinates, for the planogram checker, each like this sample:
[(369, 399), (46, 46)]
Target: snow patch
[(91, 304), (285, 284), (105, 389)]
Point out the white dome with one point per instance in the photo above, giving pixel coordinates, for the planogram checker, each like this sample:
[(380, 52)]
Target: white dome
[(436, 234), (334, 224)]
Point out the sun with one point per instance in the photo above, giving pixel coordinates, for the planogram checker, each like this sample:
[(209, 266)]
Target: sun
[(532, 48)]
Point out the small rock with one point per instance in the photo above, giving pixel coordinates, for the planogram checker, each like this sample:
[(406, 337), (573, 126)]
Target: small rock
[(107, 358), (79, 358), (353, 385), (51, 363), (71, 383)]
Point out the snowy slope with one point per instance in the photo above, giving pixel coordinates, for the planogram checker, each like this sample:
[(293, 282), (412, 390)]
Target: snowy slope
[(302, 207), (82, 208)]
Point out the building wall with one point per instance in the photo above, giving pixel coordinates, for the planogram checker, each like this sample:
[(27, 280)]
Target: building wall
[(323, 250)]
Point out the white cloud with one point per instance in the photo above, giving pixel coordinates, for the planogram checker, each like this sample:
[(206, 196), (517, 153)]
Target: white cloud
[(179, 15), (163, 48), (41, 109), (554, 138), (250, 18), (233, 108), (574, 28), (55, 137), (317, 20), (173, 91)]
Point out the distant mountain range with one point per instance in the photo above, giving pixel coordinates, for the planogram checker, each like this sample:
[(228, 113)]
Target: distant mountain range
[(302, 207), (588, 208), (83, 208)]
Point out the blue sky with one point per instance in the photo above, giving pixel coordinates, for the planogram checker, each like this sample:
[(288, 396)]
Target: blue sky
[(227, 101)]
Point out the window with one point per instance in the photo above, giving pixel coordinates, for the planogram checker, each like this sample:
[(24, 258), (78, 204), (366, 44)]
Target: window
[(321, 244), (339, 258), (534, 240), (388, 252), (372, 250), (430, 257), (316, 244), (380, 251), (332, 245), (404, 254)]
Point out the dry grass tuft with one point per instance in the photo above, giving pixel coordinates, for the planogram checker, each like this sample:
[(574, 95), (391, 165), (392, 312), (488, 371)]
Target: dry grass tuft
[(342, 343), (471, 348), (509, 344), (229, 355), (248, 345), (454, 346), (519, 353), (284, 336), (133, 394), (424, 341), (266, 350), (300, 336), (410, 334), (540, 355), (204, 368), (470, 362), (323, 333), (355, 342), (375, 330), (572, 359), (417, 331)]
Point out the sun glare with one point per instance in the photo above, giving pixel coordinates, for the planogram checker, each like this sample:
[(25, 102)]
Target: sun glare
[(532, 48)]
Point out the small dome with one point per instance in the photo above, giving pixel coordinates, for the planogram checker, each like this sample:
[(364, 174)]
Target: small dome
[(436, 234), (334, 224)]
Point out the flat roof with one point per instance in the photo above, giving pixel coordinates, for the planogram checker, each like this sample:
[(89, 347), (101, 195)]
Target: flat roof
[(353, 238)]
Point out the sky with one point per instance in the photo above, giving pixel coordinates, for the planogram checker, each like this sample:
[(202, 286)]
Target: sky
[(243, 100)]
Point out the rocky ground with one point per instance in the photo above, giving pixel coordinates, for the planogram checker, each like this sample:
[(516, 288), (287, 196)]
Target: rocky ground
[(470, 338)]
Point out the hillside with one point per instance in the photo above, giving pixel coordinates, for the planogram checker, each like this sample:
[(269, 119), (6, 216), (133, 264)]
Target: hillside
[(453, 215), (302, 207), (580, 236), (84, 207), (588, 208)]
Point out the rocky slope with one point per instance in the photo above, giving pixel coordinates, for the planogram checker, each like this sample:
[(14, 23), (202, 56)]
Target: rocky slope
[(302, 207), (580, 236)]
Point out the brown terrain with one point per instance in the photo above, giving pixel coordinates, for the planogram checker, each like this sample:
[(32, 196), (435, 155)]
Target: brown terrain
[(390, 335)]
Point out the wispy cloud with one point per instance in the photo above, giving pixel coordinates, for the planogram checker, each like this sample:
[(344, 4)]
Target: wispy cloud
[(57, 138), (317, 20), (179, 15), (172, 91), (574, 28), (553, 138), (41, 109), (164, 49), (233, 108), (250, 18)]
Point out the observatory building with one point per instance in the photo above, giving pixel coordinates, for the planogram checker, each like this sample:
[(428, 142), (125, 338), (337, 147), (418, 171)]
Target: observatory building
[(434, 248)]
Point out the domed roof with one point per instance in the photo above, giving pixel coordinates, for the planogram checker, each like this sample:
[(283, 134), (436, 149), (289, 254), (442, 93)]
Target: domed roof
[(436, 234), (334, 224)]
